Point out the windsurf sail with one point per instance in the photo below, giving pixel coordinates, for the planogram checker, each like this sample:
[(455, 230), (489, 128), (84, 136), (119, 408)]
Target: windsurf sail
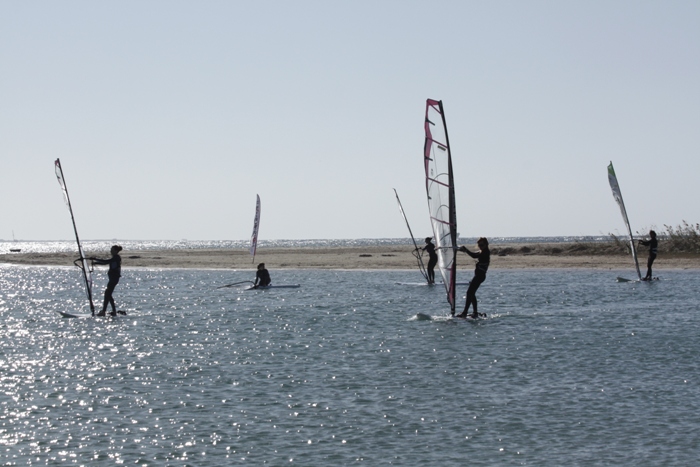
[(417, 251), (81, 262), (617, 194), (439, 185), (256, 226)]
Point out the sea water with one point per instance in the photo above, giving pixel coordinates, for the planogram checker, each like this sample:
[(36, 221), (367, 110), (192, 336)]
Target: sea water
[(570, 367), (65, 246)]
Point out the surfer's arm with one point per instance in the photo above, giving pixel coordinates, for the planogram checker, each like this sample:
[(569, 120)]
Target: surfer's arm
[(100, 261), (470, 253)]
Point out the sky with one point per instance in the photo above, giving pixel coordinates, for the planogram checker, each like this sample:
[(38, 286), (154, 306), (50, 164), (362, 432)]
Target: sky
[(170, 116)]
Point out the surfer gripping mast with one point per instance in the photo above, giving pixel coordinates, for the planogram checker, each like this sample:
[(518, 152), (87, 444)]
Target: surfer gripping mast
[(439, 186)]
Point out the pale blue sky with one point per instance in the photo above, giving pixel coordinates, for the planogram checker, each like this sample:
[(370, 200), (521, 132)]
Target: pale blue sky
[(169, 116)]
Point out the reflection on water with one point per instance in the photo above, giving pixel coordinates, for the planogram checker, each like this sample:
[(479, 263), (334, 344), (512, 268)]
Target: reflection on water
[(570, 367)]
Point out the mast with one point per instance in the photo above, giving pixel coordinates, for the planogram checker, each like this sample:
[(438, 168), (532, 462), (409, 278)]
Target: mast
[(256, 226), (617, 194), (439, 185), (84, 267), (421, 266)]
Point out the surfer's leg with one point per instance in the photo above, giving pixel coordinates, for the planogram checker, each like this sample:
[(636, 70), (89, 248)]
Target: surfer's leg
[(471, 296), (650, 261), (431, 271), (108, 297), (475, 283)]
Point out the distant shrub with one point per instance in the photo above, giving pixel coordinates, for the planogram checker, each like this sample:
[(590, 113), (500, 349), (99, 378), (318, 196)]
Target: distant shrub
[(684, 237)]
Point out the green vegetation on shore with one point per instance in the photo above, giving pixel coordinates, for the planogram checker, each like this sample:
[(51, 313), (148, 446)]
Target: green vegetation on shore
[(682, 241)]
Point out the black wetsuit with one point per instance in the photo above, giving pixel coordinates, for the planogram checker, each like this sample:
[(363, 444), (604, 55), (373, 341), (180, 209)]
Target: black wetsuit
[(115, 272), (262, 278), (653, 244), (482, 265), (432, 261)]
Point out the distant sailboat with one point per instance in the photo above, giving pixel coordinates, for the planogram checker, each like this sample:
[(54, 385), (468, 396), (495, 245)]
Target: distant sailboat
[(439, 186), (14, 250), (617, 194)]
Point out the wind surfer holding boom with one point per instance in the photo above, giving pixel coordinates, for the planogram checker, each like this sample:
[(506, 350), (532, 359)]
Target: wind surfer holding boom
[(653, 245), (483, 257), (114, 273), (433, 259)]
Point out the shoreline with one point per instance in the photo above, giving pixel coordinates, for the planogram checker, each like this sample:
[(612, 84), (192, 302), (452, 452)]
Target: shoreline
[(504, 256)]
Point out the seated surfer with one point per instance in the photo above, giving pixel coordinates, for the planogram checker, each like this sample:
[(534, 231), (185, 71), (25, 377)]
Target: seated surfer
[(483, 257), (653, 244), (262, 277), (433, 259), (114, 273)]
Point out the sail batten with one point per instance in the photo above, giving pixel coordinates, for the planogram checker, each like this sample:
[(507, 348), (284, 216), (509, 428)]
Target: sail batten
[(439, 185), (617, 194), (84, 266)]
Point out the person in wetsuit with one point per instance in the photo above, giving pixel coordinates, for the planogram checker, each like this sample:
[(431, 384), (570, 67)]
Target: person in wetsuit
[(262, 276), (653, 244), (433, 259), (114, 273), (483, 257)]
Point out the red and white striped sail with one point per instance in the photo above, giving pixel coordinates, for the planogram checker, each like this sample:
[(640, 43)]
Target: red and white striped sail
[(439, 185), (256, 227)]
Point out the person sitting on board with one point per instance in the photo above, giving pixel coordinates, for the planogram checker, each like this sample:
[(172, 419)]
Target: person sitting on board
[(653, 244), (114, 273), (262, 277), (483, 257), (433, 259)]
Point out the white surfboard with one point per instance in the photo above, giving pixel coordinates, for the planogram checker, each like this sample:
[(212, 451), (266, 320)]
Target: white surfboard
[(265, 287)]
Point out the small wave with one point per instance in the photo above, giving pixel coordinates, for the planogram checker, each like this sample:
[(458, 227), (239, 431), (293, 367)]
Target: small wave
[(421, 317)]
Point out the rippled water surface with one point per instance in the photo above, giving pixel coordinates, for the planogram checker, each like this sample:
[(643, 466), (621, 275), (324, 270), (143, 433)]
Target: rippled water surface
[(569, 368)]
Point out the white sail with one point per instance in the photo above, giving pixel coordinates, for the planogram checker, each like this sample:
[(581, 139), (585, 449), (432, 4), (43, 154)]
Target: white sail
[(416, 251), (256, 227), (439, 185), (617, 194), (81, 262)]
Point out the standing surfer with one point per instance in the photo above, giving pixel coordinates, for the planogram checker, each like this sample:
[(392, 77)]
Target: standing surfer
[(114, 273), (262, 277), (483, 257), (653, 244), (433, 259)]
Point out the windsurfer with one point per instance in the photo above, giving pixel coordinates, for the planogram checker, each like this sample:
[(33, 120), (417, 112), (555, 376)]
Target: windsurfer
[(653, 244), (433, 259), (262, 276), (114, 273), (483, 257)]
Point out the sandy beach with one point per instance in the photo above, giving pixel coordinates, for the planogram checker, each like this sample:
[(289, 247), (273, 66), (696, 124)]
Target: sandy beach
[(510, 256)]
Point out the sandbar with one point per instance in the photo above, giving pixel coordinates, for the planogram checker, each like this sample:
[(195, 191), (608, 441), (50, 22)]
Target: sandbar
[(504, 256)]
